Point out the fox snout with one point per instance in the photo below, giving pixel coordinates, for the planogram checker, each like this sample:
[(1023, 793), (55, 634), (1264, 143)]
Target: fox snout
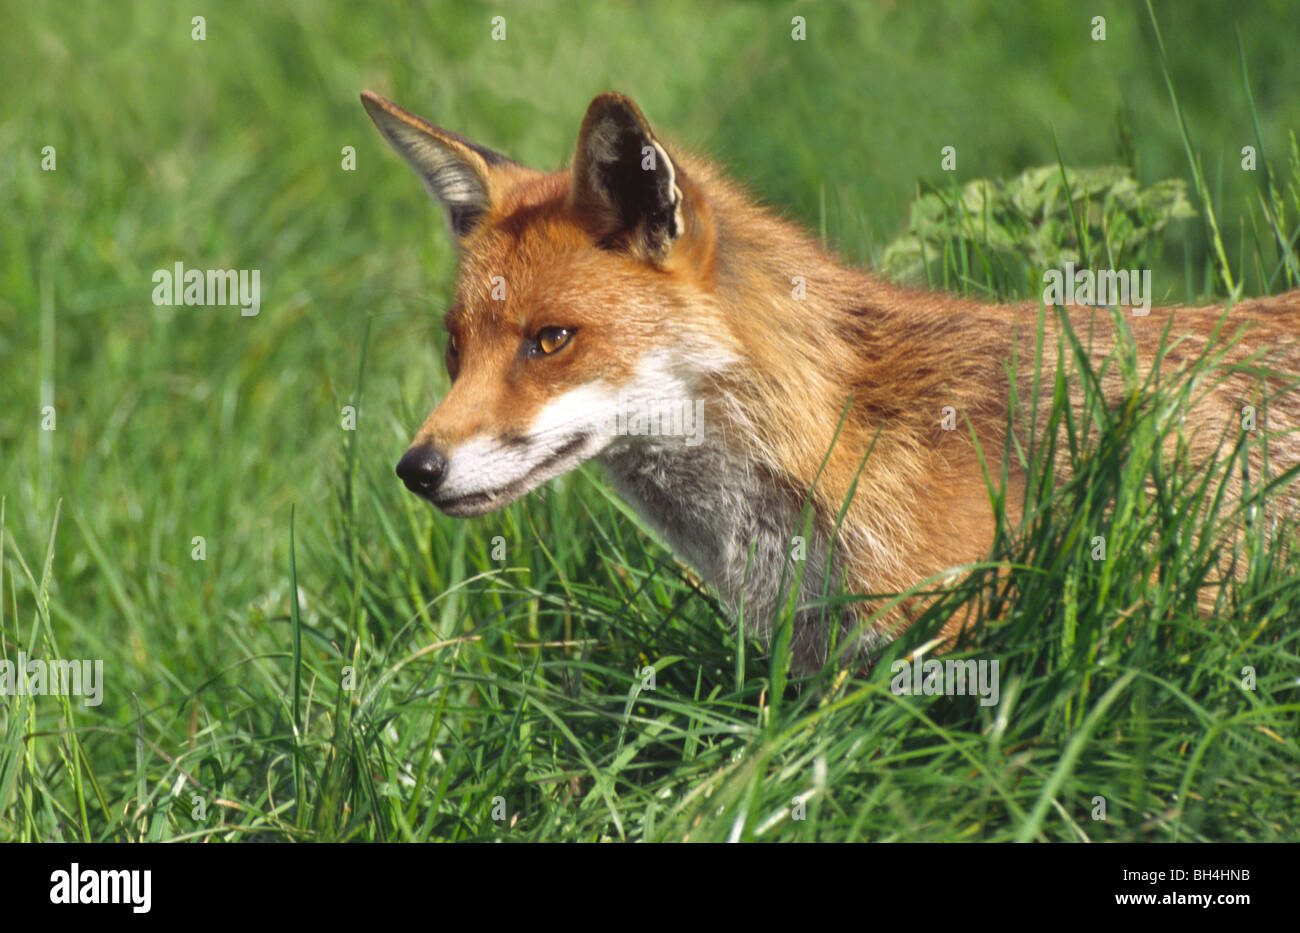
[(421, 469)]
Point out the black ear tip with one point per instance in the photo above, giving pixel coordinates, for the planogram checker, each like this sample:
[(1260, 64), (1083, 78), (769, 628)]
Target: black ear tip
[(616, 106), (611, 99)]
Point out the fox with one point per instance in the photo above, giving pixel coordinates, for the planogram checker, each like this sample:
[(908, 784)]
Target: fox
[(641, 274)]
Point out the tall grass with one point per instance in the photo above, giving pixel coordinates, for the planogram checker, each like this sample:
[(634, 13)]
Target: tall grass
[(347, 664)]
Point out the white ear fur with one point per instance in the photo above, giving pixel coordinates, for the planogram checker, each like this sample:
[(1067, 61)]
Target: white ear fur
[(456, 172)]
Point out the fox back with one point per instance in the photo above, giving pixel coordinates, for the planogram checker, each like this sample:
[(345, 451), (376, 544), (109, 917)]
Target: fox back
[(640, 288)]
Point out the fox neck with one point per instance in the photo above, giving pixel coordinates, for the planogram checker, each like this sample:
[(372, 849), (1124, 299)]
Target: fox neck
[(830, 365), (735, 523)]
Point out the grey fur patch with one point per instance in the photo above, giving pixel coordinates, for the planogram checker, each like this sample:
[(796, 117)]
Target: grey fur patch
[(711, 507)]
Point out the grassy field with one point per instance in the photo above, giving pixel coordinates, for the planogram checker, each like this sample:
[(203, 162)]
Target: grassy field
[(345, 664)]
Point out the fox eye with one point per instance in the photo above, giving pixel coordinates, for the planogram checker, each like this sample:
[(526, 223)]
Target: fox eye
[(453, 356), (551, 339)]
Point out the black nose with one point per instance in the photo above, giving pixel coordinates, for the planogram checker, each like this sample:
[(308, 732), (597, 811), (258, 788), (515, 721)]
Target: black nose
[(421, 468)]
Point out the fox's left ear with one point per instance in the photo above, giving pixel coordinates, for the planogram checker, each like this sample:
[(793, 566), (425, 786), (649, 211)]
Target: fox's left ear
[(457, 172), (624, 184)]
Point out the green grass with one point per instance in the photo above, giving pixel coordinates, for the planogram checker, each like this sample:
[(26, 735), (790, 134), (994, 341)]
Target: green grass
[(346, 664)]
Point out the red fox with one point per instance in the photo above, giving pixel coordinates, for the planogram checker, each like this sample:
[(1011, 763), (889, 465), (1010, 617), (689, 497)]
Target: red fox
[(640, 285)]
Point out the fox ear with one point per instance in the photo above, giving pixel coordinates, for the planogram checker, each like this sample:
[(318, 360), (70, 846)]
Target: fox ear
[(456, 172), (624, 184)]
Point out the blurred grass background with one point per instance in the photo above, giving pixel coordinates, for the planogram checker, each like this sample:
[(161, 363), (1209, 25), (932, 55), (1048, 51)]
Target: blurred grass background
[(226, 153)]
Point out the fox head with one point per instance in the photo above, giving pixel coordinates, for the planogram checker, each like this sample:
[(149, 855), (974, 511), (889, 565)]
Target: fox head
[(568, 307)]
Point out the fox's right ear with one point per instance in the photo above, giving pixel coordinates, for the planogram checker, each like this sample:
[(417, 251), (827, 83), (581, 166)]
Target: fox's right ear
[(456, 172)]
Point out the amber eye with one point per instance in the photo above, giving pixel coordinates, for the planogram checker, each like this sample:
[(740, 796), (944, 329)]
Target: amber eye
[(551, 339)]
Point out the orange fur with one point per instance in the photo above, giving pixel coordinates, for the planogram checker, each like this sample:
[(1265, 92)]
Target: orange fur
[(723, 284)]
